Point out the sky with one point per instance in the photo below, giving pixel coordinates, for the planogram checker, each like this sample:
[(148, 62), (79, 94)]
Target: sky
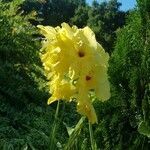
[(126, 4)]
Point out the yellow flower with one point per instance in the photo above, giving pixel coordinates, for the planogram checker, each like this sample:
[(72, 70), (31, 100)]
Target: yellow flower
[(75, 63)]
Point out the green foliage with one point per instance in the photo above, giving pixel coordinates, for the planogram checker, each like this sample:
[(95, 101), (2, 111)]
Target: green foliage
[(125, 119), (24, 118), (52, 12), (81, 16)]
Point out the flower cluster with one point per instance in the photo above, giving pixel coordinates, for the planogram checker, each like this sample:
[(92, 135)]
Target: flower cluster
[(75, 64)]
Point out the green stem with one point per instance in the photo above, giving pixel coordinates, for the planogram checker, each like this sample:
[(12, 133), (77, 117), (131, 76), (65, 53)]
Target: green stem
[(93, 146), (57, 110), (52, 145)]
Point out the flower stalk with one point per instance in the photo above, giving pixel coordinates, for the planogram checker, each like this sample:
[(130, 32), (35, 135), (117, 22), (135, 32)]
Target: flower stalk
[(52, 144), (93, 144)]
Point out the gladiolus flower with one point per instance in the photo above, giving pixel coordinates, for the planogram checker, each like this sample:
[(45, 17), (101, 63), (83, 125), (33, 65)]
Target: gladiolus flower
[(75, 63)]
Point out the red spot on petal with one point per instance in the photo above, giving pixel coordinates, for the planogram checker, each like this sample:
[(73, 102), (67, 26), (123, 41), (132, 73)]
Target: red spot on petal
[(88, 78), (81, 54)]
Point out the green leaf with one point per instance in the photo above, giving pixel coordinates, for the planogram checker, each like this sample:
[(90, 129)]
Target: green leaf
[(74, 134), (144, 129)]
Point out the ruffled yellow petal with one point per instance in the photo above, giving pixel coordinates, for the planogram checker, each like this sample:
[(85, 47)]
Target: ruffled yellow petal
[(61, 89), (48, 32)]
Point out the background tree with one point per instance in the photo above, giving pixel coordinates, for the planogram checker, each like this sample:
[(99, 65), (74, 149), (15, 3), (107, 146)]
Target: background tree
[(52, 12), (23, 112), (129, 105), (81, 16)]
